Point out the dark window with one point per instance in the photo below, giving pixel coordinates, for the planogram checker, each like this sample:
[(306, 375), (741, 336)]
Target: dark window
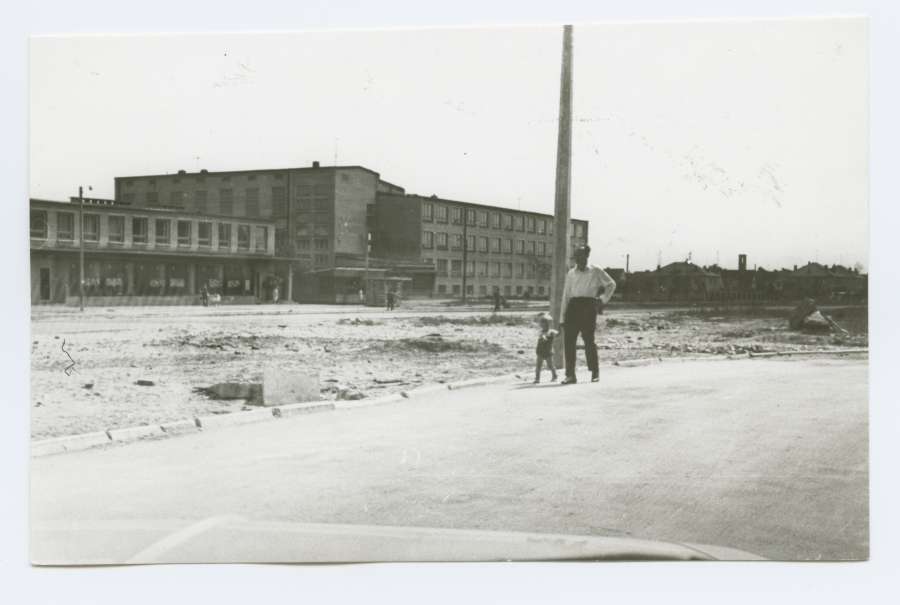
[(200, 200), (204, 233), (91, 228), (225, 235), (427, 212), (303, 244), (495, 245), (541, 226), (441, 241), (427, 239), (520, 246), (226, 202), (163, 231), (152, 198), (262, 238), (495, 220), (116, 229), (322, 205), (128, 198), (456, 215), (482, 269), (529, 224), (482, 244), (441, 214), (456, 241), (253, 201), (442, 267), (320, 244), (470, 243), (184, 233), (470, 217), (507, 270), (39, 224), (519, 222), (176, 197), (139, 230), (482, 218), (507, 222), (470, 268), (65, 226), (455, 268), (279, 201), (507, 246), (243, 237)]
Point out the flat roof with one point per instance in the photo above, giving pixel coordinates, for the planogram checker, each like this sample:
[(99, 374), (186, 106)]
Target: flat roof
[(119, 208), (473, 204), (251, 171)]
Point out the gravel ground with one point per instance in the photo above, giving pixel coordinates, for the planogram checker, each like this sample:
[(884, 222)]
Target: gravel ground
[(182, 349)]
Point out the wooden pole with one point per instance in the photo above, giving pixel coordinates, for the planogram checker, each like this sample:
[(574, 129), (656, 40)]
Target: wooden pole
[(563, 191)]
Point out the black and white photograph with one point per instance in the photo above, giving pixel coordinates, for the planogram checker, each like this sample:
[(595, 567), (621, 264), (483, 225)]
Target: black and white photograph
[(568, 292)]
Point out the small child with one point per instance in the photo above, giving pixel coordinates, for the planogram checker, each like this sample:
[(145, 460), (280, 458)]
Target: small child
[(544, 348)]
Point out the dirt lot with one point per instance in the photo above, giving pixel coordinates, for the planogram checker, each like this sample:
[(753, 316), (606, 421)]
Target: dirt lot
[(363, 350)]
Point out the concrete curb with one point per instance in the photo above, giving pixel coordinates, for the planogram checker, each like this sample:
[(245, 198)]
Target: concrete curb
[(295, 409), (180, 427), (69, 443), (427, 389), (134, 433), (234, 418), (365, 403), (73, 443)]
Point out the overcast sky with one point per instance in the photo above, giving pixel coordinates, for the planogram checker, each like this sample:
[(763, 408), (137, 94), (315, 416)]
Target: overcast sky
[(709, 138)]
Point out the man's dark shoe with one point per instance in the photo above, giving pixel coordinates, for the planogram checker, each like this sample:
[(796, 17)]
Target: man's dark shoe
[(595, 376), (569, 380)]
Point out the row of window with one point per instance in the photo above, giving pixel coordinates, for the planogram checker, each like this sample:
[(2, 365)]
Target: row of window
[(453, 268), (199, 199), (483, 290), (496, 245), (65, 230), (440, 213)]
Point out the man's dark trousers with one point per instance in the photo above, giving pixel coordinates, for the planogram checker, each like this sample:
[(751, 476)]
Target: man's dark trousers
[(581, 318)]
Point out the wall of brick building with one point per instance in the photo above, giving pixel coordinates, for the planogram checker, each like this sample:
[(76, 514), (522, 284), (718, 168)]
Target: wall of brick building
[(354, 190)]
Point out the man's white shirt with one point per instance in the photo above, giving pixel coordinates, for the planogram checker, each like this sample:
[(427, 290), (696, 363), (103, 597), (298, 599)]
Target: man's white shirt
[(587, 284)]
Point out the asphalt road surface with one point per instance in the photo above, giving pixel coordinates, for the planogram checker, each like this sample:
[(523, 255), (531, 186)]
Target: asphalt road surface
[(767, 456)]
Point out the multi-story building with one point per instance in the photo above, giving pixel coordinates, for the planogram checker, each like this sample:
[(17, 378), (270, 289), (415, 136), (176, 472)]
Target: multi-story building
[(330, 232), (321, 217), (495, 248), (163, 255)]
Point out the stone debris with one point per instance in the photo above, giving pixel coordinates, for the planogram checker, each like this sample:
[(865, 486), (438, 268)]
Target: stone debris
[(144, 383)]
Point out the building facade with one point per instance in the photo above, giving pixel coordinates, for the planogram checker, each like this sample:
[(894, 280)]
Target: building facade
[(155, 254), (487, 247), (330, 233)]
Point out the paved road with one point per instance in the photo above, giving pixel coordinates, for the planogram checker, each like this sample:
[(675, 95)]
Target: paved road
[(768, 456)]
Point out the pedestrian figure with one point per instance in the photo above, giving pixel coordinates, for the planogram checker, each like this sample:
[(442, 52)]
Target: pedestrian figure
[(390, 300), (496, 299), (587, 288), (544, 348), (204, 296), (362, 297), (275, 295)]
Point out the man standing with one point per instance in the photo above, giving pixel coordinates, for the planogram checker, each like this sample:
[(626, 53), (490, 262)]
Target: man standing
[(587, 288)]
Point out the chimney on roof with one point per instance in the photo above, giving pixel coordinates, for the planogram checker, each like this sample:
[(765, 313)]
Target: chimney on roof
[(742, 262), (315, 164), (795, 267), (204, 171)]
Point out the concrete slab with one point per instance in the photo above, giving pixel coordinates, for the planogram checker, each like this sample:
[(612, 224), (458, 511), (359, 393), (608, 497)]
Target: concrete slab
[(135, 432), (282, 387), (477, 382)]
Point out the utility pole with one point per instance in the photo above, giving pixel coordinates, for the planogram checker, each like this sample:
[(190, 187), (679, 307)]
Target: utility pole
[(563, 190), (81, 247), (465, 259)]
